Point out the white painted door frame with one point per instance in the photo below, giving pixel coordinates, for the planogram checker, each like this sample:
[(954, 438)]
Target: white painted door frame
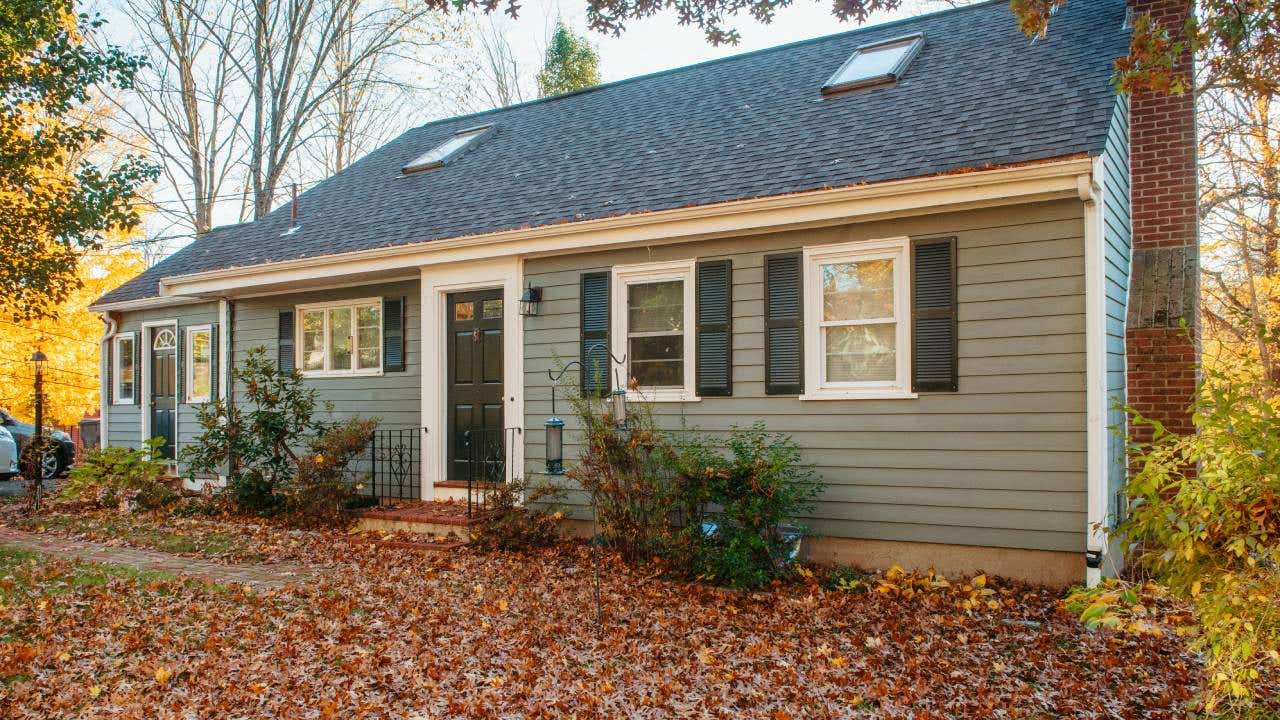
[(438, 281)]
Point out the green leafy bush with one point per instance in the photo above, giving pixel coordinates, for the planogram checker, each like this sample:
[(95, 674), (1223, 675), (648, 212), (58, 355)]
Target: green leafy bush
[(523, 517), (737, 497), (114, 475), (278, 457), (1204, 519)]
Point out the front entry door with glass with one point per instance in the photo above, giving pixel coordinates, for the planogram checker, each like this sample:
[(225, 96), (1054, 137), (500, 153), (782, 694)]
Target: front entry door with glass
[(475, 390), (164, 386)]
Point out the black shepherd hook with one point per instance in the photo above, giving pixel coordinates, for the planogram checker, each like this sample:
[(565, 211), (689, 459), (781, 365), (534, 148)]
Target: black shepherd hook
[(618, 363)]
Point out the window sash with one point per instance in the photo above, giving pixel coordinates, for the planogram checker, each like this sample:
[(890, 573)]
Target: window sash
[(356, 358), (817, 383), (193, 363), (119, 396), (626, 277)]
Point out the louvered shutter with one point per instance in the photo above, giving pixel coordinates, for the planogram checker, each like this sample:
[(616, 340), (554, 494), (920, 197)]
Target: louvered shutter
[(594, 318), (213, 362), (107, 390), (393, 334), (934, 352), (139, 340), (179, 364), (284, 339), (783, 325), (715, 327)]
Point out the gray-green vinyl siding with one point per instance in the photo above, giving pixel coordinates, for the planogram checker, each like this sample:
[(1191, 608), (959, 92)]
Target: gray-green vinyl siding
[(999, 463), (1116, 251), (395, 398), (124, 422)]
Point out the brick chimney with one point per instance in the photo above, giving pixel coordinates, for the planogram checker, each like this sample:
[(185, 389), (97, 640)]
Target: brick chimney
[(1164, 288)]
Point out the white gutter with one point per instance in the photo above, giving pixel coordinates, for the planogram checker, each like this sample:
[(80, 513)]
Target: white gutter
[(1095, 328), (108, 333)]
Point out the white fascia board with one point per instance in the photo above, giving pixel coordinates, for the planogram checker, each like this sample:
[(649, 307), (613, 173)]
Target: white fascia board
[(982, 188)]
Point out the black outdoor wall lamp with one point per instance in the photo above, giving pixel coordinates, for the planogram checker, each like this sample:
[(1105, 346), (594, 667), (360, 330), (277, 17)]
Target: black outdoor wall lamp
[(530, 300)]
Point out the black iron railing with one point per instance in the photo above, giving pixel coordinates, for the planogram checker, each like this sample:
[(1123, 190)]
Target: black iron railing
[(489, 453), (395, 464)]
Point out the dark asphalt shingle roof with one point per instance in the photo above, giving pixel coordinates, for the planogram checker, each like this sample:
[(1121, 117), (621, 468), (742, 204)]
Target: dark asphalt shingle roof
[(979, 94)]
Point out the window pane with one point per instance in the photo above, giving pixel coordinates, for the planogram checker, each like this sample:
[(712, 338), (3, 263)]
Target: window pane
[(313, 340), (861, 353), (200, 368), (367, 335), (340, 339), (655, 307), (657, 361), (860, 290), (492, 309), (125, 351), (873, 63), (464, 311)]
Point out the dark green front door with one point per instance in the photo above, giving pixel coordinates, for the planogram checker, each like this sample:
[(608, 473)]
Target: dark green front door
[(164, 387), (475, 392)]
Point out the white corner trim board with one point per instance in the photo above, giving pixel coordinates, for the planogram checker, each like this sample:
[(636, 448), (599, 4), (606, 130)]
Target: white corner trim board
[(980, 188), (1091, 193)]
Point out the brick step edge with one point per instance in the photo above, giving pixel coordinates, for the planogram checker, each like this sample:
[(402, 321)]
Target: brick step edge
[(405, 544)]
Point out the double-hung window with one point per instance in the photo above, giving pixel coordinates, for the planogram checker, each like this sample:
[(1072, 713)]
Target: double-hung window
[(199, 363), (857, 320), (653, 329), (124, 373), (340, 338)]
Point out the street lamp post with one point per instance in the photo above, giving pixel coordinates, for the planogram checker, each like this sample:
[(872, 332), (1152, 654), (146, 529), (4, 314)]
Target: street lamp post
[(35, 464)]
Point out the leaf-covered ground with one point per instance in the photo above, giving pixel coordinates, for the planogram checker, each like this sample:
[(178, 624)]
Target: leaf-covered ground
[(401, 633)]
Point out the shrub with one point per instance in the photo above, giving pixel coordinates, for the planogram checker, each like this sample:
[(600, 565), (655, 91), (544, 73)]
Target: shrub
[(735, 507), (1203, 518), (256, 444), (318, 492), (628, 473), (523, 518), (112, 476)]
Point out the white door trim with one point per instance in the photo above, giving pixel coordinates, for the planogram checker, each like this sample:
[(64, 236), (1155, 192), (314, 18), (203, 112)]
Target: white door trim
[(437, 282), (144, 384)]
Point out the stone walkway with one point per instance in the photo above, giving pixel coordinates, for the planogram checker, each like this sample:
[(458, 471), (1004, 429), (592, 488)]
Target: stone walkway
[(259, 575)]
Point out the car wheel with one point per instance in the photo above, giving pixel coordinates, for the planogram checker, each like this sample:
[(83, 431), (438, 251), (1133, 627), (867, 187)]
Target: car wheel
[(50, 465)]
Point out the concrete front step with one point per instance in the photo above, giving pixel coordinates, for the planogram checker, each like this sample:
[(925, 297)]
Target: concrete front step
[(456, 490)]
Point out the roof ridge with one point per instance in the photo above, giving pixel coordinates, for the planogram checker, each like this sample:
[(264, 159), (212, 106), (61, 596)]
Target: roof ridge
[(711, 61)]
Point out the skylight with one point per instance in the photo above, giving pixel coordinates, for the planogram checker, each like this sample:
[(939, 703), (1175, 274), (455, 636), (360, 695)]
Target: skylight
[(875, 63), (438, 155)]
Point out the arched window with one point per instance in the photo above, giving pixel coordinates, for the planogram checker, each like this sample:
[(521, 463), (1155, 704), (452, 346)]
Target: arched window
[(164, 340)]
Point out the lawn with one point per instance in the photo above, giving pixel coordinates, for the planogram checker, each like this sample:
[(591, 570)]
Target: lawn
[(404, 633)]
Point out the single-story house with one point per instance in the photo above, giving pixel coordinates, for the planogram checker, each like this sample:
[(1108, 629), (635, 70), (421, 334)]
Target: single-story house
[(936, 253)]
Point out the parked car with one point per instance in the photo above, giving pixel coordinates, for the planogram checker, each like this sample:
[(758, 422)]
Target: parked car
[(56, 461), (8, 455)]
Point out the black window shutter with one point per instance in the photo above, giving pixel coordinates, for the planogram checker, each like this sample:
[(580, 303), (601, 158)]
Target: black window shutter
[(934, 352), (213, 361), (783, 325), (393, 334), (594, 317), (179, 364), (107, 390), (715, 327), (284, 353), (139, 341)]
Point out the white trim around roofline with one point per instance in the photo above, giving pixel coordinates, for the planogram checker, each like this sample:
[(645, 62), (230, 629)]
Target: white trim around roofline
[(979, 188)]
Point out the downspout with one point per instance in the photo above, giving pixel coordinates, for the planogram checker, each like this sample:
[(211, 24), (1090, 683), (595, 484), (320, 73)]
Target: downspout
[(108, 332), (1095, 328), (226, 382)]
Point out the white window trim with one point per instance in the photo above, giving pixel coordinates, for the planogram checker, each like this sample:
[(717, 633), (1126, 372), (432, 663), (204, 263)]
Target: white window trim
[(190, 365), (624, 275), (298, 311), (816, 386), (115, 368)]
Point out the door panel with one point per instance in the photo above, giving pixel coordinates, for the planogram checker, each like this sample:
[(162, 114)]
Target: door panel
[(164, 375), (475, 388)]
